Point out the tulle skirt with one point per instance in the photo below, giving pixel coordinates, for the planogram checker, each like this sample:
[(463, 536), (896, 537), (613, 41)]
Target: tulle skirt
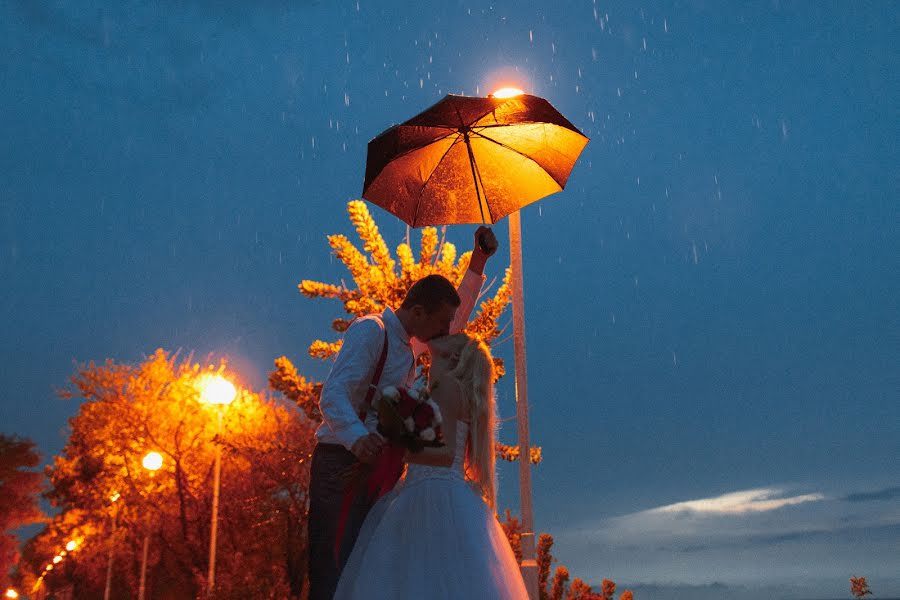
[(432, 537)]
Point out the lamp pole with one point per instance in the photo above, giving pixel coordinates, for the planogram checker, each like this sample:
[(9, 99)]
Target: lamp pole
[(112, 542), (214, 526), (152, 462), (529, 563), (218, 391)]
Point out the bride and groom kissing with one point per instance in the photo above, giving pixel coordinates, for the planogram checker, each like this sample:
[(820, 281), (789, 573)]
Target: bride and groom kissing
[(435, 534)]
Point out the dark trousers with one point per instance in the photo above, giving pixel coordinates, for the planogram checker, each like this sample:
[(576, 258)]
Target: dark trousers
[(328, 483)]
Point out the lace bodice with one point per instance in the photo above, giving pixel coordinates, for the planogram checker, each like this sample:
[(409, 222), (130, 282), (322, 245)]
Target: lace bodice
[(416, 472)]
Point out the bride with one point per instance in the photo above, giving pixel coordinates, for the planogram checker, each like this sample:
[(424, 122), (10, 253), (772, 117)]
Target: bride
[(436, 535)]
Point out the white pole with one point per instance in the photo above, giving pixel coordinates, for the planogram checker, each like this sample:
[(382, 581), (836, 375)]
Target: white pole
[(144, 567), (529, 564), (211, 577)]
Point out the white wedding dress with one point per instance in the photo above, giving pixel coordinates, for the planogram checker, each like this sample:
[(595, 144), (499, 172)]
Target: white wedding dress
[(432, 537)]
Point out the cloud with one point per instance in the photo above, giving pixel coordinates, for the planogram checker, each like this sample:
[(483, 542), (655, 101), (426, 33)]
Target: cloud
[(737, 503), (884, 494)]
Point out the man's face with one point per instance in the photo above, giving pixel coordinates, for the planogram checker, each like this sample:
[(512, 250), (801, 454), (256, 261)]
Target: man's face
[(436, 324)]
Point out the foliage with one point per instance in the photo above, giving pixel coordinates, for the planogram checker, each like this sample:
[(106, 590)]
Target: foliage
[(109, 502), (859, 587), (379, 282), (559, 588), (19, 489)]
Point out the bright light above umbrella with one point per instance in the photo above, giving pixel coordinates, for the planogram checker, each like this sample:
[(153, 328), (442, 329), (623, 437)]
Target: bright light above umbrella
[(507, 92)]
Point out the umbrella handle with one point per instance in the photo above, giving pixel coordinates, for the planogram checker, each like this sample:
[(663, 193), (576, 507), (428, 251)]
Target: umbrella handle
[(483, 245)]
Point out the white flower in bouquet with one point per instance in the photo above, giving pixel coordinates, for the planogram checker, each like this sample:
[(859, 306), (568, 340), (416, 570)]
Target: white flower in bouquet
[(427, 434), (410, 424), (438, 420)]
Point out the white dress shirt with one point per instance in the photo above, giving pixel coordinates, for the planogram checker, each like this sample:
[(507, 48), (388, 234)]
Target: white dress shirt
[(344, 391)]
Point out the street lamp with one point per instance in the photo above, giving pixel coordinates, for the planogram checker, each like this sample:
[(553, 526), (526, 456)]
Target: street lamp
[(11, 593), (218, 391), (152, 461), (529, 562)]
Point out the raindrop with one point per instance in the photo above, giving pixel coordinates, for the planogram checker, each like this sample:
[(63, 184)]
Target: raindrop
[(531, 36), (674, 359)]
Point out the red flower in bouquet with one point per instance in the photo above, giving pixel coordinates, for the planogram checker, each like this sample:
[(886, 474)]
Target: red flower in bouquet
[(410, 418)]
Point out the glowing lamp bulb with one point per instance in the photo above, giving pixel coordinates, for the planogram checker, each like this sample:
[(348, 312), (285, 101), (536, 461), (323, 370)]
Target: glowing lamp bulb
[(507, 92), (57, 559), (11, 593), (152, 462), (71, 545), (217, 390)]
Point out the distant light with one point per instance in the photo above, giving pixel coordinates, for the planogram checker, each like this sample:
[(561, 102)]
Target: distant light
[(152, 461), (71, 545), (57, 559), (115, 496), (507, 92), (216, 389), (48, 568), (11, 593)]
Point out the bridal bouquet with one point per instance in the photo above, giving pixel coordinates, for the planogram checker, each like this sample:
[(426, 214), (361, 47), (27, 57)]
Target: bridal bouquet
[(409, 418)]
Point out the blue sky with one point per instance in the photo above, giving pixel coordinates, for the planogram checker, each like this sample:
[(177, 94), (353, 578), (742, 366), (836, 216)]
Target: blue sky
[(712, 303)]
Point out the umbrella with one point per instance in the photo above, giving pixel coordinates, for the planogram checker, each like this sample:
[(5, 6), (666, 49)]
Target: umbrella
[(471, 160), (477, 160)]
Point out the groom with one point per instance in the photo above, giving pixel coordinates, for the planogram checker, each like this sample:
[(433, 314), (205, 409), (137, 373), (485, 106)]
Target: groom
[(385, 344)]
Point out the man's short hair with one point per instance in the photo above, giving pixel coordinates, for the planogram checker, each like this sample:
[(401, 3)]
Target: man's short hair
[(431, 293)]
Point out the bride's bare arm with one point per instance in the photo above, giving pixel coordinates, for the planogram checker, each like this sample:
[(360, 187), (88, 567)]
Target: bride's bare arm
[(447, 394)]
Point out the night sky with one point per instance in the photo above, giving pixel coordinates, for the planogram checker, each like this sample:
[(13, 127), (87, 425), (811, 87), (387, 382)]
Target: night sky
[(713, 303)]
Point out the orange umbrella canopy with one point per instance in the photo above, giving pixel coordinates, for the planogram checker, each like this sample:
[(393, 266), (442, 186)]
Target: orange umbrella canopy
[(471, 160)]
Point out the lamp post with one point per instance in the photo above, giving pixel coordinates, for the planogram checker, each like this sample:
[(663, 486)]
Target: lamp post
[(529, 562), (112, 541), (218, 391), (152, 462)]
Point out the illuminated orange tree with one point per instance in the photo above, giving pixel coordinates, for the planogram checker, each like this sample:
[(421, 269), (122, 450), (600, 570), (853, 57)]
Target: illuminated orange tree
[(20, 485), (381, 281), (107, 501)]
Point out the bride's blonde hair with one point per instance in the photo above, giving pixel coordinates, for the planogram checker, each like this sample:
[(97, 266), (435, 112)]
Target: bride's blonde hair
[(475, 373)]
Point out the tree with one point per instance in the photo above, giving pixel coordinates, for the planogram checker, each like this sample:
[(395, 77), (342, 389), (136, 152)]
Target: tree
[(544, 559), (859, 587), (559, 588), (108, 502), (19, 489), (560, 583), (380, 282), (581, 591)]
